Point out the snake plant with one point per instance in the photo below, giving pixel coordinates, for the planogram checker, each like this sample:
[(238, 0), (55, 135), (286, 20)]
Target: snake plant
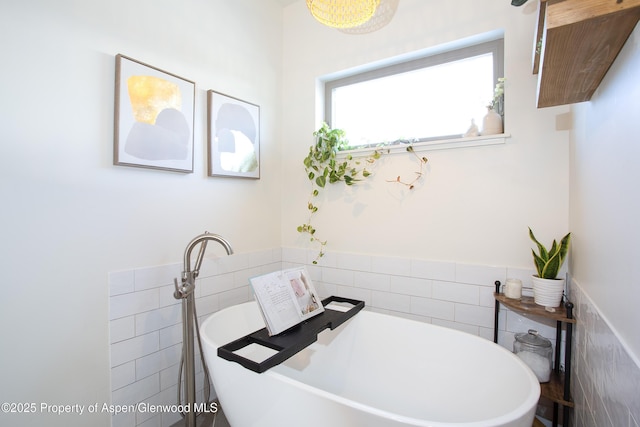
[(548, 262)]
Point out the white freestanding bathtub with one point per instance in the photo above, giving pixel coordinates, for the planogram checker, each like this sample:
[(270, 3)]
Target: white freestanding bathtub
[(374, 370)]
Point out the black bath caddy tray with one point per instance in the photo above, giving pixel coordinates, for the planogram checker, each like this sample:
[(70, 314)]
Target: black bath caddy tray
[(291, 341)]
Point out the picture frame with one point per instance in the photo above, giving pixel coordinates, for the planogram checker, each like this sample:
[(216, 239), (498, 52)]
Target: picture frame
[(153, 118), (233, 136)]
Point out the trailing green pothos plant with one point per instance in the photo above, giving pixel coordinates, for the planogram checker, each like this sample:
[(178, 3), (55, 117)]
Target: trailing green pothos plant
[(323, 167)]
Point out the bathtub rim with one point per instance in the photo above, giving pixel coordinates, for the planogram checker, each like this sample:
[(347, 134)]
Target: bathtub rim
[(531, 400)]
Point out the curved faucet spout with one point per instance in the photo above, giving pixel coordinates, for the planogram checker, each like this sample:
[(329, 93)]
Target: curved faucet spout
[(202, 240), (188, 282)]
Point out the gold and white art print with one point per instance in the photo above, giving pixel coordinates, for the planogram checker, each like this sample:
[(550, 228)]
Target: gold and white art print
[(154, 117)]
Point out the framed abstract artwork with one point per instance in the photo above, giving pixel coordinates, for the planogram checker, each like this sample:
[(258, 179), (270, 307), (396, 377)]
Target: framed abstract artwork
[(233, 136), (154, 117)]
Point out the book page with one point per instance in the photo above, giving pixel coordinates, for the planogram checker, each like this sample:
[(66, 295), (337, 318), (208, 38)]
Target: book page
[(286, 298), (306, 298), (278, 307)]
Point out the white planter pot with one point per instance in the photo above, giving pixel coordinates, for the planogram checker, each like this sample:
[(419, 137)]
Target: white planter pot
[(547, 292)]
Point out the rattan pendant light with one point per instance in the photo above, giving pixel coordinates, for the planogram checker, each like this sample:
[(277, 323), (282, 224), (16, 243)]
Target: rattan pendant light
[(343, 13)]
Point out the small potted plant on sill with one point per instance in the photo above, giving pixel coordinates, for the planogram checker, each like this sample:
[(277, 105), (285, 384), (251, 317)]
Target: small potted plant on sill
[(547, 287), (492, 122)]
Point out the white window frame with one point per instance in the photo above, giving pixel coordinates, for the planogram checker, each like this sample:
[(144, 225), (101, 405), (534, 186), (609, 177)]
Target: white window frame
[(495, 47)]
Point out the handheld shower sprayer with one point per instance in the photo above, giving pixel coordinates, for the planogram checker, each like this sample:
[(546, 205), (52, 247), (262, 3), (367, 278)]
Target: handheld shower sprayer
[(184, 291), (203, 248)]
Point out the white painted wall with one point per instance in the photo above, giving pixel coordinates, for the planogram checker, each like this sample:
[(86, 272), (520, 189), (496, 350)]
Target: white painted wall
[(475, 204), (605, 206), (69, 217)]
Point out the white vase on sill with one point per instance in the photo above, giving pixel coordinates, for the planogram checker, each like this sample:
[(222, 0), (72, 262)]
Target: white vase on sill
[(492, 123)]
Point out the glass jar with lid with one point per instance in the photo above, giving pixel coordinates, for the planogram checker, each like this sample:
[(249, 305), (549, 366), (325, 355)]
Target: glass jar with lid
[(534, 350)]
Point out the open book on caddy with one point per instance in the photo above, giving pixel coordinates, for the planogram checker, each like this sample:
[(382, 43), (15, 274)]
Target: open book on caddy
[(286, 298)]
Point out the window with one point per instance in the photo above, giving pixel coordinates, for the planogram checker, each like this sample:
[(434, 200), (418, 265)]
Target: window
[(429, 98)]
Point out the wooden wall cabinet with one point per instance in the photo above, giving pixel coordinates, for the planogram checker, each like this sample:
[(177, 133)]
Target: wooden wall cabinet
[(576, 43)]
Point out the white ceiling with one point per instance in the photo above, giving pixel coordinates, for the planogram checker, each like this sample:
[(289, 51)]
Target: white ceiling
[(286, 2)]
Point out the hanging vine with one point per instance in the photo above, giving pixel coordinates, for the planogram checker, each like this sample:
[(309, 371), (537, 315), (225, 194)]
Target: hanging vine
[(418, 174), (323, 167)]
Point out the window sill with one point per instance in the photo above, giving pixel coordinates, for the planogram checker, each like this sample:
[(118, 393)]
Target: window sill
[(441, 144)]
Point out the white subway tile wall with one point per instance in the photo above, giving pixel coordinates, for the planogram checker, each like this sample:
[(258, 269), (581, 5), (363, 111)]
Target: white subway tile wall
[(605, 380), (146, 330)]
